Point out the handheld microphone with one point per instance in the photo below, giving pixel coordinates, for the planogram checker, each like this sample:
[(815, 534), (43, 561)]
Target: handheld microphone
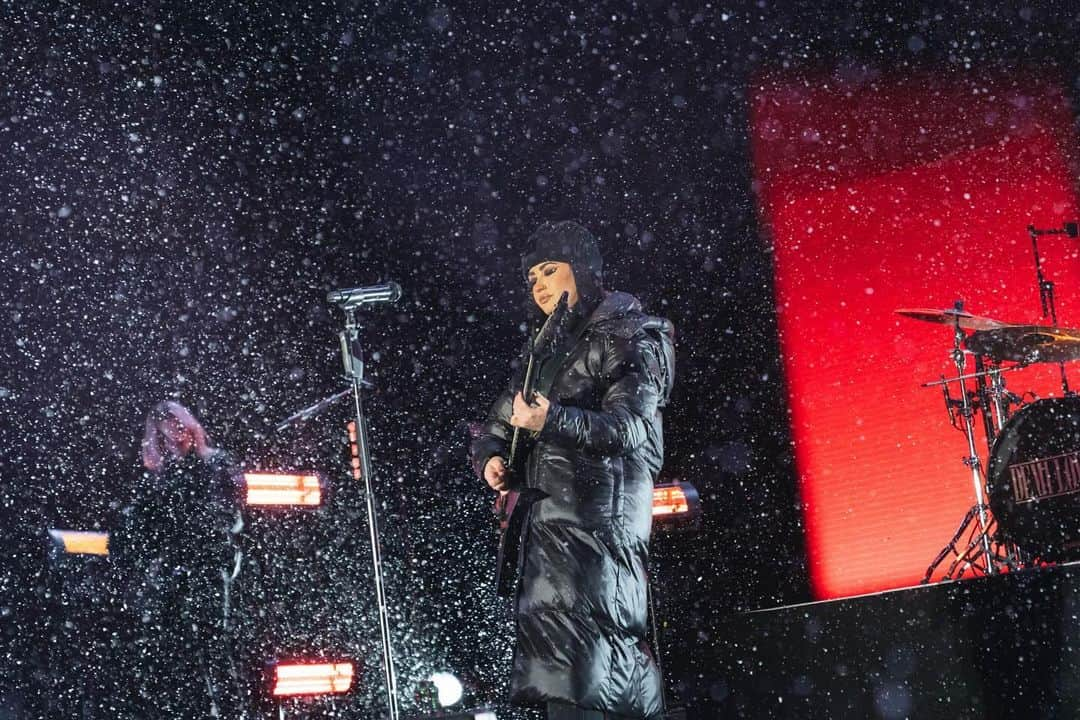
[(367, 295)]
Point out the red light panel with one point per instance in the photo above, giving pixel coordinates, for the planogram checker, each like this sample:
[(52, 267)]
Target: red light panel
[(281, 489), (312, 678), (882, 194)]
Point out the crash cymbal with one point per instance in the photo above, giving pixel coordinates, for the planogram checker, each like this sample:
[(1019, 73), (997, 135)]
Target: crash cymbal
[(1026, 344), (949, 317)]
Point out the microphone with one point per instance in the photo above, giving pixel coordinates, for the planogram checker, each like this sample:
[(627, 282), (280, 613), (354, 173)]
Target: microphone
[(367, 295), (1071, 229)]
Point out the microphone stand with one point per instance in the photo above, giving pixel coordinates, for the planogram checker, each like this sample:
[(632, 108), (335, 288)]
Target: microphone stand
[(1046, 287), (353, 359), (302, 416)]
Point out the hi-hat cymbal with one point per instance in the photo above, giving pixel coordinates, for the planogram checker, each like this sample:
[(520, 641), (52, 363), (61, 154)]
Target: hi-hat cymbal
[(1026, 344), (967, 321)]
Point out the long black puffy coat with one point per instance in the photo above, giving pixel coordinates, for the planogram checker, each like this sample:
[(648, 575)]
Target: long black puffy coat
[(581, 603), (175, 546)]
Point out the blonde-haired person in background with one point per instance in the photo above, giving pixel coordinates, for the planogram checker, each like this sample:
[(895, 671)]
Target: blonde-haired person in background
[(171, 432), (177, 546)]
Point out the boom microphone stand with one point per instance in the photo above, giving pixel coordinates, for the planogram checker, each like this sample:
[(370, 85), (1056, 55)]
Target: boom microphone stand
[(302, 416), (1046, 287), (353, 359)]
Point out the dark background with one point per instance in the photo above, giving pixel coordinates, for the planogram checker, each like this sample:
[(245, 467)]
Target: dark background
[(181, 184)]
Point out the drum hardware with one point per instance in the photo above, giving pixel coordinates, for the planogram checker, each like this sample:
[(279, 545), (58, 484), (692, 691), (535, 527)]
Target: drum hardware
[(994, 398), (979, 544), (983, 552), (1026, 344), (1033, 479), (974, 555), (1029, 509), (953, 317), (990, 396), (950, 404), (968, 376), (1000, 397), (980, 553), (1046, 287)]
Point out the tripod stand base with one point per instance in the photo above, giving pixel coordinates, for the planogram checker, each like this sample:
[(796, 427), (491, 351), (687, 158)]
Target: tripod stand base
[(974, 557)]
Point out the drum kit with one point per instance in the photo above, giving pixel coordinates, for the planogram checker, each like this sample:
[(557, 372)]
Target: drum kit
[(1027, 494)]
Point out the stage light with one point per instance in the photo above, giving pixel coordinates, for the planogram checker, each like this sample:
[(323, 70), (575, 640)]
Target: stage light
[(474, 714), (283, 489), (676, 506), (449, 688), (354, 453), (304, 678), (675, 499), (77, 542)]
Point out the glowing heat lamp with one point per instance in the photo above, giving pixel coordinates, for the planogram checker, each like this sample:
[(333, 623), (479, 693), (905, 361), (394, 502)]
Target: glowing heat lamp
[(312, 678), (676, 499), (669, 500), (77, 542), (676, 506), (283, 489)]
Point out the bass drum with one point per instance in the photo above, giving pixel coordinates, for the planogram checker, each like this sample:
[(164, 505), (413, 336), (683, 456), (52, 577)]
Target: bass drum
[(1034, 479)]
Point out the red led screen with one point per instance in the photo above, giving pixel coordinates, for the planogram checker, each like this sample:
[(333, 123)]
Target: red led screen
[(883, 194)]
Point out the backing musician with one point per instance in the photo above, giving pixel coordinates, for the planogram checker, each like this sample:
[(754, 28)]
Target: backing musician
[(177, 546)]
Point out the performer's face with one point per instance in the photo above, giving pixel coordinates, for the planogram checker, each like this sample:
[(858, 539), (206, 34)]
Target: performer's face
[(549, 280), (178, 439)]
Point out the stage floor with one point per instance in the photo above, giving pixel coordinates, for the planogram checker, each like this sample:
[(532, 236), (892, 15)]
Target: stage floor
[(998, 647)]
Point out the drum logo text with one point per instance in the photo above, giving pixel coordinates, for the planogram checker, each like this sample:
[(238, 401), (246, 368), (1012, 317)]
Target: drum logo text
[(1037, 479)]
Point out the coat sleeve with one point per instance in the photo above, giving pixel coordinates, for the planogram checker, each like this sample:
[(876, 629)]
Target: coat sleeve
[(630, 400), (495, 434), (226, 489), (494, 438)]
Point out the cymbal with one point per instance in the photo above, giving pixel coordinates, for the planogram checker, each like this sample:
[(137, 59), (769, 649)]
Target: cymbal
[(950, 317), (1026, 344)]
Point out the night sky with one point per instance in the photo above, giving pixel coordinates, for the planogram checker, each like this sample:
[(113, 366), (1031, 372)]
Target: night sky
[(182, 185)]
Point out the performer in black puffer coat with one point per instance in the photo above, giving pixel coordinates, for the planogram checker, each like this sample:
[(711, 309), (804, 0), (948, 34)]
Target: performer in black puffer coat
[(581, 602)]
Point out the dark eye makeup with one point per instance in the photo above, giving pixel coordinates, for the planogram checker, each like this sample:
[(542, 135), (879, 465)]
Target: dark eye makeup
[(547, 270)]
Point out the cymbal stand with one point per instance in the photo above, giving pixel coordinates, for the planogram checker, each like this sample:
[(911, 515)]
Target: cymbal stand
[(979, 545), (1046, 287), (971, 558)]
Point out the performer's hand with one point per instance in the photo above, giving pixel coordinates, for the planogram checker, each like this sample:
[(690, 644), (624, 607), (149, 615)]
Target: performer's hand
[(530, 417), (495, 473)]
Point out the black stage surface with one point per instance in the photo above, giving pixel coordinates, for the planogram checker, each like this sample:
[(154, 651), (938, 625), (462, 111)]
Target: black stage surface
[(995, 647)]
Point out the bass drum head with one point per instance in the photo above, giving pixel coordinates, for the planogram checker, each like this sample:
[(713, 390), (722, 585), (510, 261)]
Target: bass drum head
[(1034, 478)]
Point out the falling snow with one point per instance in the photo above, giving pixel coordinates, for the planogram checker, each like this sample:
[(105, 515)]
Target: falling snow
[(182, 184)]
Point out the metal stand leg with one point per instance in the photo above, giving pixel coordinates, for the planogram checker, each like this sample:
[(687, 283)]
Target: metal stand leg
[(951, 547)]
